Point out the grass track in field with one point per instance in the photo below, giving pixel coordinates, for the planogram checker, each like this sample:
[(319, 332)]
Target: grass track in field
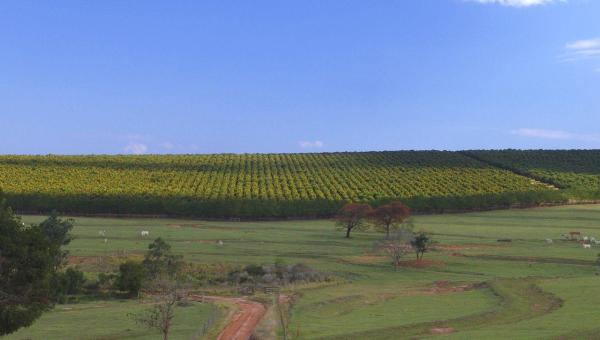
[(518, 300)]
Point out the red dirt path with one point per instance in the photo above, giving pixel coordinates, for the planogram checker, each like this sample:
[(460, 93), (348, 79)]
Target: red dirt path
[(244, 321)]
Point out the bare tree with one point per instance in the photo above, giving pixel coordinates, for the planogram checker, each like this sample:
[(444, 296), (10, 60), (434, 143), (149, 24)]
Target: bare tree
[(389, 217), (396, 246), (352, 216), (167, 295)]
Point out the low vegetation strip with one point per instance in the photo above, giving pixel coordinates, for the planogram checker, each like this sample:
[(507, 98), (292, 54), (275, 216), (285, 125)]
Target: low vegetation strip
[(261, 185), (521, 300)]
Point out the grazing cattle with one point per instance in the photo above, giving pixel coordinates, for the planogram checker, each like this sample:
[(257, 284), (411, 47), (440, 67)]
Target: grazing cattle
[(593, 239), (585, 238), (102, 233), (587, 246), (105, 240), (597, 242), (549, 241), (220, 243), (145, 233)]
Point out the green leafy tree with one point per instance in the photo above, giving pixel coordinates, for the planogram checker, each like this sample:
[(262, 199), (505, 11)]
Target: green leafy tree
[(74, 281), (27, 265), (58, 234), (160, 260), (131, 278), (420, 244)]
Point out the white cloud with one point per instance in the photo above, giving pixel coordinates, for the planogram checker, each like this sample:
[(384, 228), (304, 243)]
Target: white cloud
[(582, 49), (584, 44), (555, 134), (517, 3), (542, 133), (136, 148), (311, 144)]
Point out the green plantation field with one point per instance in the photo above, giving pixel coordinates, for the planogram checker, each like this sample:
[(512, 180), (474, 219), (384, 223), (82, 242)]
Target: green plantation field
[(577, 171), (262, 185), (470, 286)]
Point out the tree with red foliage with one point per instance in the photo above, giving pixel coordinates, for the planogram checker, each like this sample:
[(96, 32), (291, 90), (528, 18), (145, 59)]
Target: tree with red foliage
[(353, 216), (389, 217)]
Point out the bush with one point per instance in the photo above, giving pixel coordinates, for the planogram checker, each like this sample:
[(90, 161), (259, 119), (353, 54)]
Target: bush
[(130, 278), (74, 281), (255, 270), (69, 282)]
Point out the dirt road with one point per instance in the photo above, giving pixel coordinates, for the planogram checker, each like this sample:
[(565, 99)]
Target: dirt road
[(243, 322)]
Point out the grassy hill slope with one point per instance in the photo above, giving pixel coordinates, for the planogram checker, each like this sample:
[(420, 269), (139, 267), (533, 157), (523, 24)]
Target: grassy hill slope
[(577, 172)]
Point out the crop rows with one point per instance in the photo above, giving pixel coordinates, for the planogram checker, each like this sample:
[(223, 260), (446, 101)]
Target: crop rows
[(182, 183), (577, 171)]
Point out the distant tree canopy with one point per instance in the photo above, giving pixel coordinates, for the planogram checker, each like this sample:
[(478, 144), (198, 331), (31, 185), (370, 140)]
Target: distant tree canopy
[(29, 259), (131, 277), (160, 260), (389, 217), (353, 216), (420, 244)]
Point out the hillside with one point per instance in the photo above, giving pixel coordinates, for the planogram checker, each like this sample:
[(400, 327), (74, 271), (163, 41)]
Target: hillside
[(263, 185), (575, 171)]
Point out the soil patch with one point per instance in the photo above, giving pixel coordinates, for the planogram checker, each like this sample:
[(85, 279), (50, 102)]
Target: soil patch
[(469, 246), (422, 264), (366, 259), (439, 330), (244, 321)]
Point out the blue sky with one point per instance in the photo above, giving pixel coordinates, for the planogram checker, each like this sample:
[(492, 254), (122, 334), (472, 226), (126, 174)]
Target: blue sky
[(298, 76)]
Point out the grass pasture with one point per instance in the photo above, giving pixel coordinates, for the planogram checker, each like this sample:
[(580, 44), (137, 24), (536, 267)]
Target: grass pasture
[(109, 320), (476, 287)]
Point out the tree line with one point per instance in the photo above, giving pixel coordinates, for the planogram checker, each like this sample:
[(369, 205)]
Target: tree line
[(264, 208)]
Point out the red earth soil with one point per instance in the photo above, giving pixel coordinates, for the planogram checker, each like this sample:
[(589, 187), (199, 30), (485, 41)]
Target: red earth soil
[(244, 321), (421, 264), (442, 330)]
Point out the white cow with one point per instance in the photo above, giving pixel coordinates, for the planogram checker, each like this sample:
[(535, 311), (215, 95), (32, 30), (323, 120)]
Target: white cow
[(102, 232), (549, 241), (144, 233), (587, 246)]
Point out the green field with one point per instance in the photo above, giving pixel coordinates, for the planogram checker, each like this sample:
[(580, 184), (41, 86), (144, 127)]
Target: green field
[(109, 320), (262, 185), (474, 287)]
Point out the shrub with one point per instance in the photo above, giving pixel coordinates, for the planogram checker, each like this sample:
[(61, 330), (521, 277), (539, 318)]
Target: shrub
[(130, 278)]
